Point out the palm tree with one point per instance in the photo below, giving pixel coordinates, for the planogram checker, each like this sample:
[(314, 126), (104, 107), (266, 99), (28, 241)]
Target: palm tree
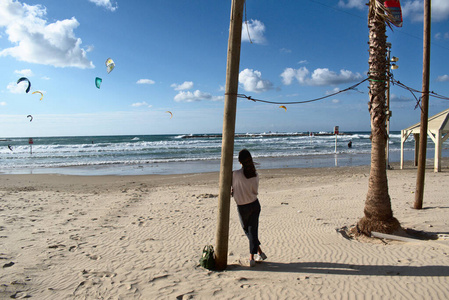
[(378, 213)]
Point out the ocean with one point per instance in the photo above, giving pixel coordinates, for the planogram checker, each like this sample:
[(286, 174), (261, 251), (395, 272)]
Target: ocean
[(182, 154)]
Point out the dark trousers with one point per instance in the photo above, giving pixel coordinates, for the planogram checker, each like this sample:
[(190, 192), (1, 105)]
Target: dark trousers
[(249, 218)]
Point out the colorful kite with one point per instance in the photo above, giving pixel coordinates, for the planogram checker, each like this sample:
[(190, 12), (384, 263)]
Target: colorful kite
[(171, 115), (25, 79), (110, 65), (282, 106), (98, 81), (38, 92)]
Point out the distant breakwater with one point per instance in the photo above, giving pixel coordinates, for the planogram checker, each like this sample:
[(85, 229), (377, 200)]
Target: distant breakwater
[(241, 135)]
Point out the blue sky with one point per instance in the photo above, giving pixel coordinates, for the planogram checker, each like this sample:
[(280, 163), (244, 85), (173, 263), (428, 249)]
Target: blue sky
[(171, 56)]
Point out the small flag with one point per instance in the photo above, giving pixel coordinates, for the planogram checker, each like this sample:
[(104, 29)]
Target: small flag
[(394, 6)]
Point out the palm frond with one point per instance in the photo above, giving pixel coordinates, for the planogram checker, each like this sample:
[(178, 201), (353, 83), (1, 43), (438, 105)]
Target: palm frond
[(378, 10)]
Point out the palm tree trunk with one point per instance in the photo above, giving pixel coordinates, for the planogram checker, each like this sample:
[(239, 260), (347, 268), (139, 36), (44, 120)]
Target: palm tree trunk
[(378, 213)]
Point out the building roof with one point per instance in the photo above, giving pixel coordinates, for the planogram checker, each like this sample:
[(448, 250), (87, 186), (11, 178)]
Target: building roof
[(435, 123), (437, 130)]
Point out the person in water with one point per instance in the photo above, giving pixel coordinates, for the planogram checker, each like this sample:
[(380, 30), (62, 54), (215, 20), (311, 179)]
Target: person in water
[(245, 188)]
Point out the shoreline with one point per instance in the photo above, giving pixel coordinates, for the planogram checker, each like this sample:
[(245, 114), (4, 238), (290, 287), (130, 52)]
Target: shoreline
[(268, 134), (76, 182), (213, 165), (169, 154)]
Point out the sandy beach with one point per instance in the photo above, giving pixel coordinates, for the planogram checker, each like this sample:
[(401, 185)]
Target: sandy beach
[(140, 237)]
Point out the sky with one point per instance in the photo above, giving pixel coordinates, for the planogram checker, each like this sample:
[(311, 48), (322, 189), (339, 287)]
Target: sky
[(171, 56)]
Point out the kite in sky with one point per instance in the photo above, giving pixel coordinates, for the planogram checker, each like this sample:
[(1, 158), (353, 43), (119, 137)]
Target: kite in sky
[(282, 106), (110, 65), (171, 115), (31, 117), (25, 79), (98, 81), (38, 92)]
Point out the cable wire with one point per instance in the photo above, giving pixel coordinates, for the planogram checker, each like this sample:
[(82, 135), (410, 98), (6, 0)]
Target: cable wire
[(304, 101), (353, 87)]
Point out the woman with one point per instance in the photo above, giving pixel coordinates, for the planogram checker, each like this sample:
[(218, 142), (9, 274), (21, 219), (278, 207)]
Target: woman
[(245, 186)]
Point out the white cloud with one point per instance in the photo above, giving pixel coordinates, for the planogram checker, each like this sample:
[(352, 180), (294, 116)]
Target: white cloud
[(319, 77), (299, 74), (441, 36), (396, 98), (24, 72), (197, 95), (140, 104), (252, 81), (285, 50), (335, 101), (3, 103), (326, 77), (333, 91), (414, 10), (106, 4), (37, 41), (186, 85), (360, 4), (444, 78), (145, 81), (256, 31), (15, 88), (302, 62)]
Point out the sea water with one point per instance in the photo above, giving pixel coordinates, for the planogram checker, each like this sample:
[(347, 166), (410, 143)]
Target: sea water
[(180, 154)]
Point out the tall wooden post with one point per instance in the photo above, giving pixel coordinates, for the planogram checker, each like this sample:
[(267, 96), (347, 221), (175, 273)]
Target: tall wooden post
[(419, 194), (387, 102), (227, 148)]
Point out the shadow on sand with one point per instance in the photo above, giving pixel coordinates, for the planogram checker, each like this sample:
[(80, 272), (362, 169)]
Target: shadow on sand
[(345, 269)]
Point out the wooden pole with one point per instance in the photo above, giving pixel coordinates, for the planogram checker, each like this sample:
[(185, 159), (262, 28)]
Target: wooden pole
[(227, 149), (419, 194), (336, 143)]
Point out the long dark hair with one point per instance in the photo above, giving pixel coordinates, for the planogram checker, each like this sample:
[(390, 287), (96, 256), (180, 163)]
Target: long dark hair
[(246, 160)]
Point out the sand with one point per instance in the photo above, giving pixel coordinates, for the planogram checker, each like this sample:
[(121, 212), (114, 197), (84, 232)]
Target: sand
[(140, 237)]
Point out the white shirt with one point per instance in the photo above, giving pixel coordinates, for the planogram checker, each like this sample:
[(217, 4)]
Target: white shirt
[(245, 189)]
